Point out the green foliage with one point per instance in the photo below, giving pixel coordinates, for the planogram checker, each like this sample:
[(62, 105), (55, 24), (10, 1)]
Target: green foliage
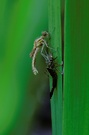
[(75, 119), (21, 21)]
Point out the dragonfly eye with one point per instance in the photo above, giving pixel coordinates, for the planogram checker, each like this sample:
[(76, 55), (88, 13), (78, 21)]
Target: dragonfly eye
[(45, 33)]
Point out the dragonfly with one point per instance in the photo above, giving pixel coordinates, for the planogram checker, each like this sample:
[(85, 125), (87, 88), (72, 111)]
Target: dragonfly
[(39, 42), (52, 68)]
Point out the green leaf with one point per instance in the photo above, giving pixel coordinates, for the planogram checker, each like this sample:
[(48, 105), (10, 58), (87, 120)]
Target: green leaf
[(76, 70), (55, 31)]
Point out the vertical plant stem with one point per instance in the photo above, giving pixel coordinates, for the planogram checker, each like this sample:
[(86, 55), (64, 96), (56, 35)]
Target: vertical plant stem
[(55, 31)]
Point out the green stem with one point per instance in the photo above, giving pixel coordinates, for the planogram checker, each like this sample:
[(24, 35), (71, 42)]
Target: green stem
[(55, 31)]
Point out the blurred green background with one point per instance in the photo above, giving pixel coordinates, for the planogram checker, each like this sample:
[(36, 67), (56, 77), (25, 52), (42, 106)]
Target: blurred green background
[(21, 22)]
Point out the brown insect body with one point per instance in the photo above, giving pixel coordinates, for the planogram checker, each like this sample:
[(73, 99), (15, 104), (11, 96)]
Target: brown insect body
[(51, 67)]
